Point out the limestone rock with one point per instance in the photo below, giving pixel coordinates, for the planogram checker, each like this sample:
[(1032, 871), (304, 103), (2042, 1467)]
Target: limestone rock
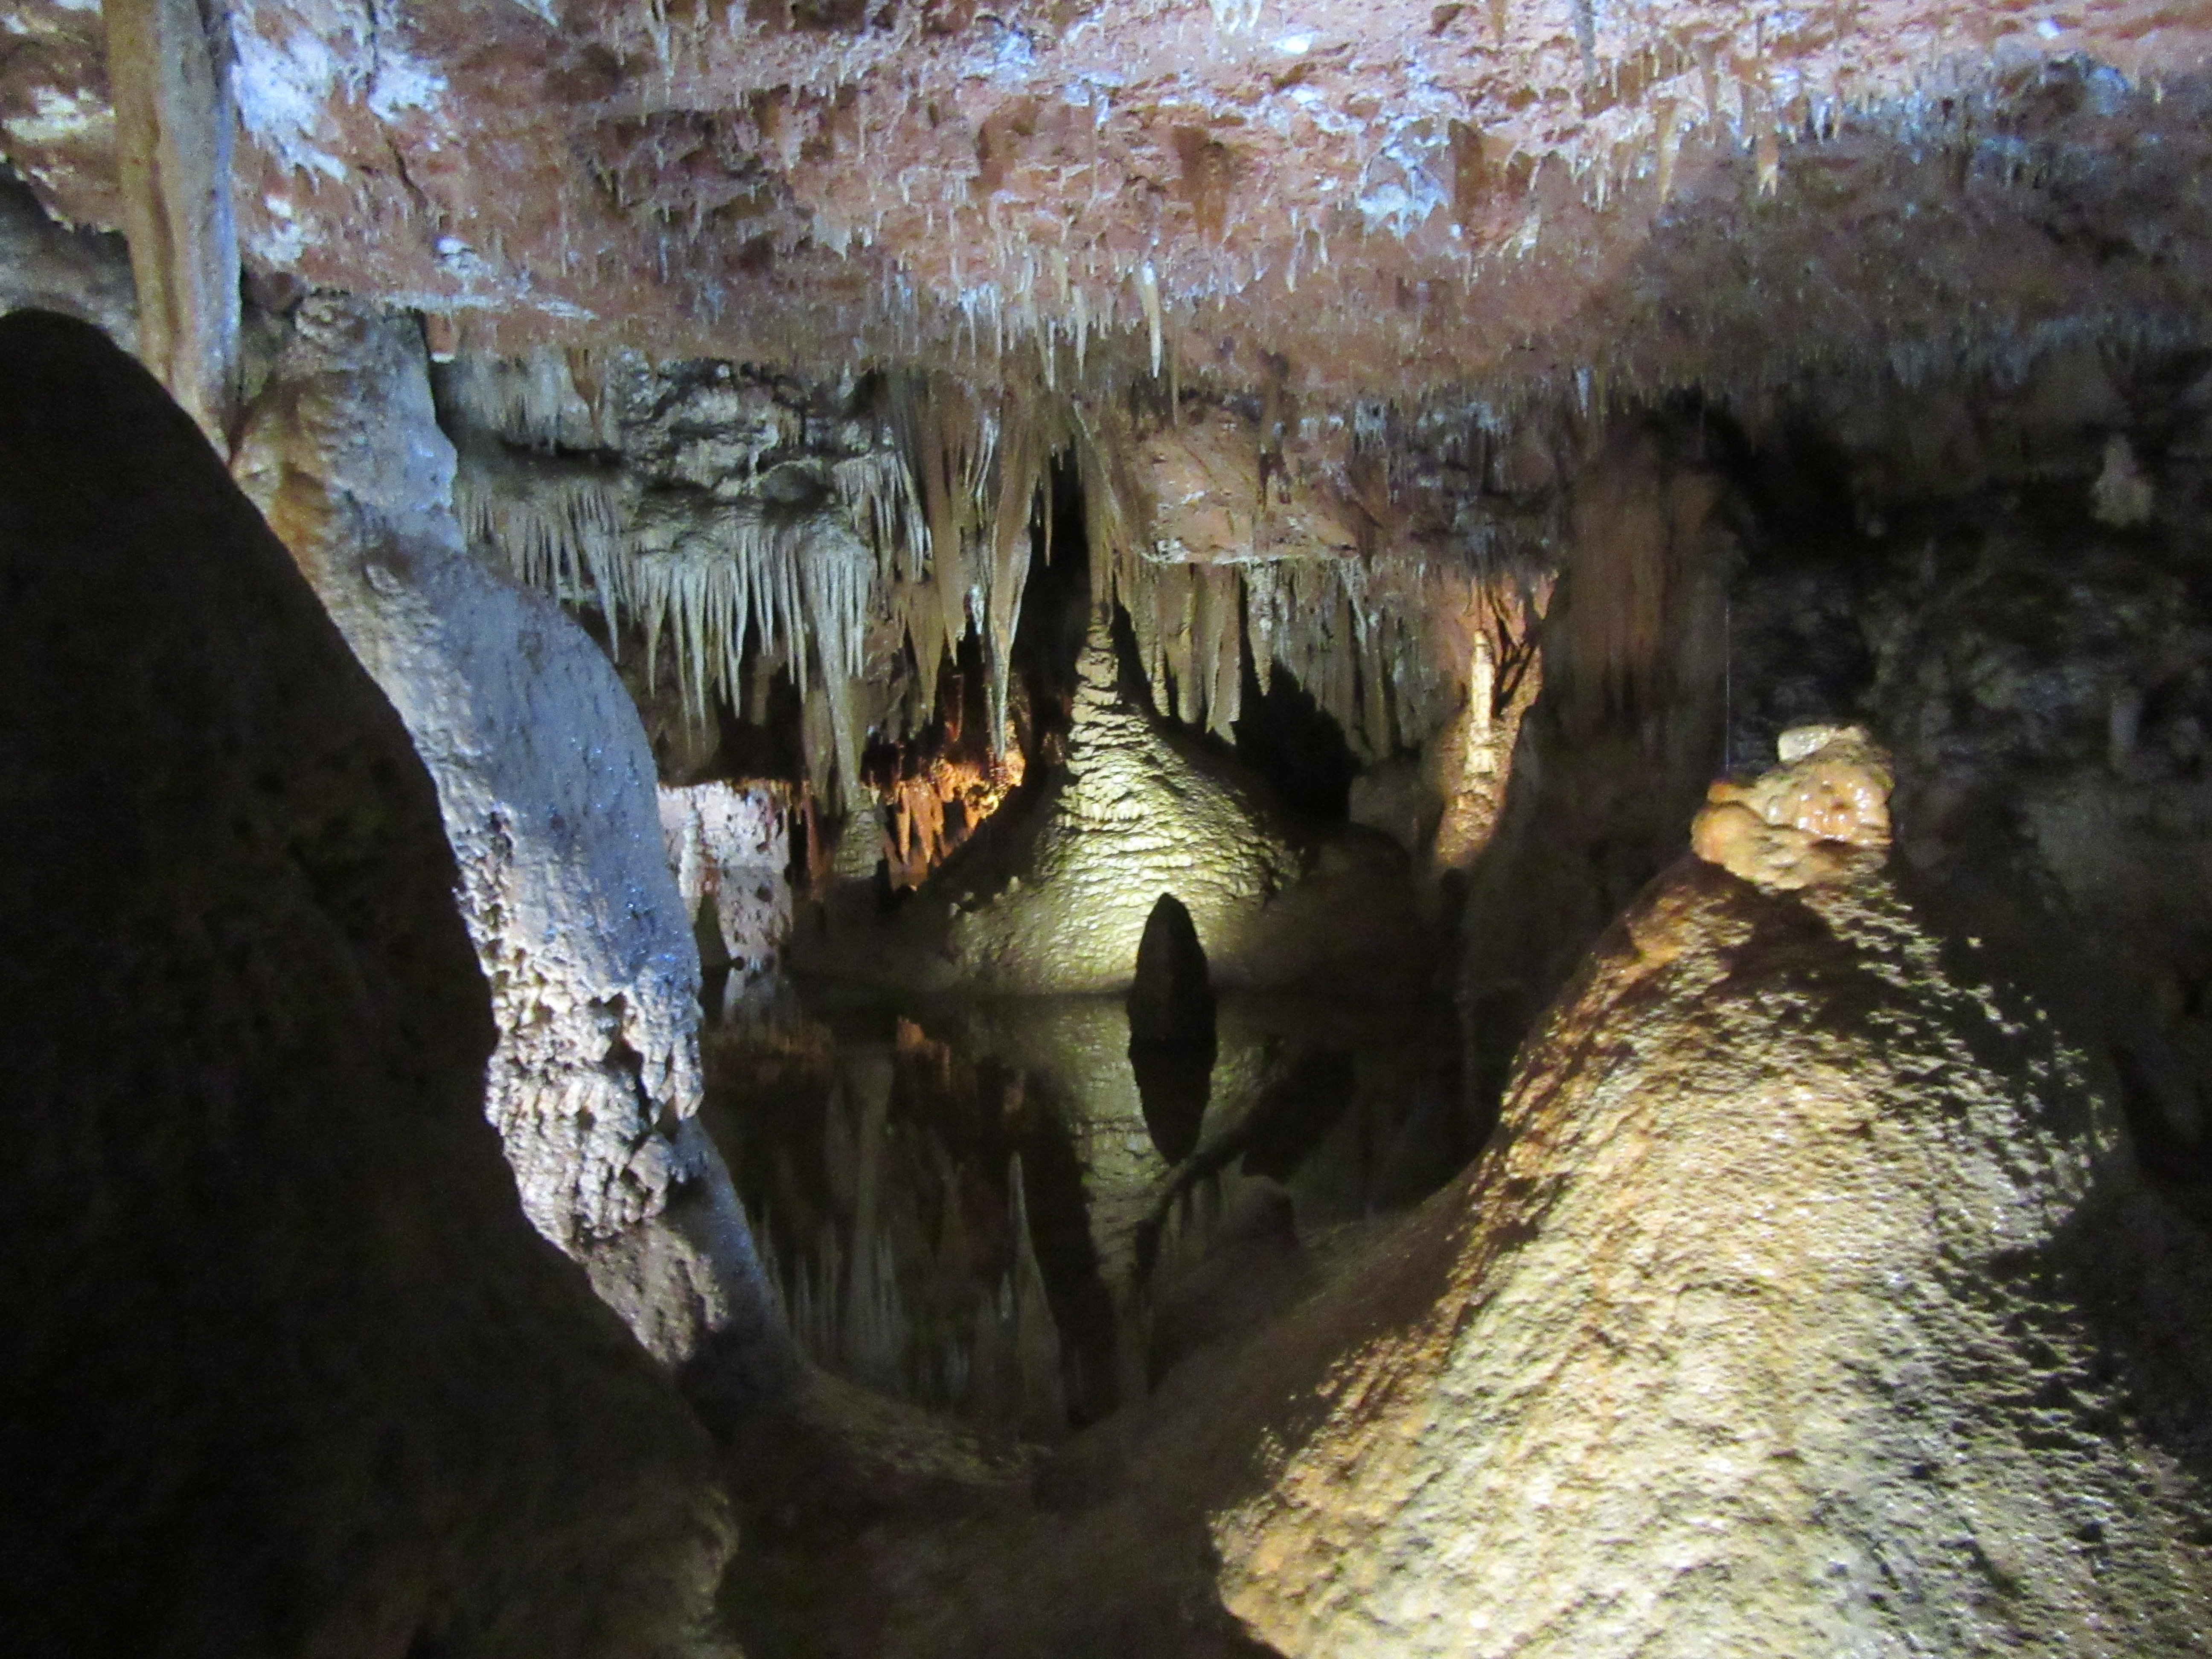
[(550, 804), (1613, 757), (1805, 821), (1137, 815), (77, 272), (288, 1371), (1749, 1342)]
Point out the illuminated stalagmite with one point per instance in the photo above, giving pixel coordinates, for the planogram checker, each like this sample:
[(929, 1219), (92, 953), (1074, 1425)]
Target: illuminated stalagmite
[(550, 802), (1752, 1335)]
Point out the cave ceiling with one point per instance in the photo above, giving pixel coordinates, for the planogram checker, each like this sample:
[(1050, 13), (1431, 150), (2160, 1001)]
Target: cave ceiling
[(1354, 198)]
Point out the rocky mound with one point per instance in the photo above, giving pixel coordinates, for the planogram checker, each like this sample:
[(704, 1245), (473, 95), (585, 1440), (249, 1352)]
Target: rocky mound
[(287, 1369), (1755, 1337)]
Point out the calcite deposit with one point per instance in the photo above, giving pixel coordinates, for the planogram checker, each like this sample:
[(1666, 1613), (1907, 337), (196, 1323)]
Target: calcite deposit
[(1805, 822), (548, 802), (1750, 1340)]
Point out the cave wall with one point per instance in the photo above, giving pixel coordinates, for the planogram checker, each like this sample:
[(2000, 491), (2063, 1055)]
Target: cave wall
[(2003, 574), (288, 1371), (1615, 751)]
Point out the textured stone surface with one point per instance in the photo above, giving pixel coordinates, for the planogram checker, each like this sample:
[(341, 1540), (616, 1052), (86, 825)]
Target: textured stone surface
[(1369, 193), (1750, 1342), (1613, 757), (550, 801), (1061, 902), (288, 1371), (1807, 819), (80, 273)]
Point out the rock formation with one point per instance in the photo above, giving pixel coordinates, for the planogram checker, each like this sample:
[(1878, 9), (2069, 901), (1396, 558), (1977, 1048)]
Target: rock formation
[(1807, 821), (1611, 762), (1047, 634), (1752, 1336), (550, 805), (288, 1371)]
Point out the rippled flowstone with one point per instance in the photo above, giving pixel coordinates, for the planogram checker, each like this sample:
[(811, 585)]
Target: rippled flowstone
[(1749, 1338)]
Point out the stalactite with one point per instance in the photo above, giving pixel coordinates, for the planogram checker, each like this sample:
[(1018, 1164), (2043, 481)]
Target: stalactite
[(1023, 455), (558, 528), (879, 491), (535, 401), (1041, 1394), (931, 532), (1148, 295), (837, 580)]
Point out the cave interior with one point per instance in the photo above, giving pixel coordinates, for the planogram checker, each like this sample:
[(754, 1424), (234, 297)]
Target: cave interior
[(874, 828)]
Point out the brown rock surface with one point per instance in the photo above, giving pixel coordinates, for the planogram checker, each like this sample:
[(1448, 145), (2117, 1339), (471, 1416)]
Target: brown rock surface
[(1807, 819), (1753, 1342), (288, 1371), (1370, 196)]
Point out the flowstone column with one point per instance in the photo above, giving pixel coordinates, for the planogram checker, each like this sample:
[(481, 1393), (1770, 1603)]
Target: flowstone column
[(173, 124), (547, 788)]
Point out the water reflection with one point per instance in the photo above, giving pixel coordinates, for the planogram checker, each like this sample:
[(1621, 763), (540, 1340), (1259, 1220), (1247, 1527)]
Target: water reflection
[(1017, 1210)]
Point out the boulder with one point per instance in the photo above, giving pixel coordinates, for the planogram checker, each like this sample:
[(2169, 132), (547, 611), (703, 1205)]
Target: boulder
[(287, 1371)]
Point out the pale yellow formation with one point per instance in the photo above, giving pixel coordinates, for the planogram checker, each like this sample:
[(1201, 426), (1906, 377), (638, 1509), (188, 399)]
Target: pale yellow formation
[(1137, 817), (1739, 1351)]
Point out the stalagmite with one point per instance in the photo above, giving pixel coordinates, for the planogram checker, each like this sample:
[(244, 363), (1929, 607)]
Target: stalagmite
[(1729, 1342), (288, 1371), (732, 846)]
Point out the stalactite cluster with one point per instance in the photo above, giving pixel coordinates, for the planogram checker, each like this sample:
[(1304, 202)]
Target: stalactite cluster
[(899, 1234), (857, 553)]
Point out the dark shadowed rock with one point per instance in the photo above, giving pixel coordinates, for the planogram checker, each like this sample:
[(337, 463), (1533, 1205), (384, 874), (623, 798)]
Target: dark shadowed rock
[(1171, 1032), (1171, 1000), (286, 1371)]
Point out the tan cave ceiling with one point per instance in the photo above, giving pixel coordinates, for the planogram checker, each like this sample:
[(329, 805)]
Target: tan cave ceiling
[(1352, 197)]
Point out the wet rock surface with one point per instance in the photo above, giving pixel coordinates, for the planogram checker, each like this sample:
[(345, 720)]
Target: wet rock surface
[(289, 1370)]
